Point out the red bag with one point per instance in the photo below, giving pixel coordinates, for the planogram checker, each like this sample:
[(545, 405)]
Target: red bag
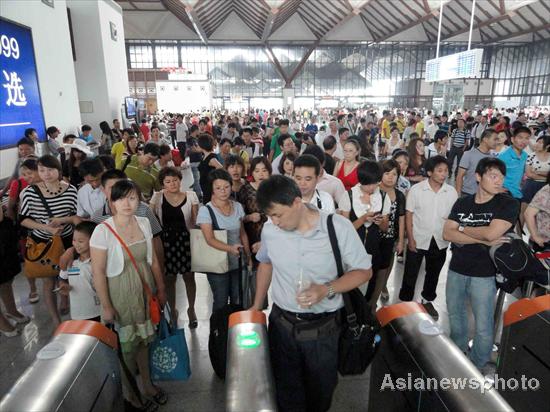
[(154, 305), (176, 157)]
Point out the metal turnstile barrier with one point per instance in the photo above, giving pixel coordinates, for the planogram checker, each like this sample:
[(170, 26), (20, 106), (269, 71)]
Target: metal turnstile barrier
[(77, 371), (525, 353), (249, 381), (419, 368)]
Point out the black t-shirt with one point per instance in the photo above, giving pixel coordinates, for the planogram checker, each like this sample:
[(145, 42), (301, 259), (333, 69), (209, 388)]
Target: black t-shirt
[(474, 260)]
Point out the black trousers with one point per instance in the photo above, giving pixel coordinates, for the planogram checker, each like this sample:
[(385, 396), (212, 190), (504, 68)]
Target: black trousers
[(305, 372), (372, 246), (435, 259), (181, 148), (455, 152)]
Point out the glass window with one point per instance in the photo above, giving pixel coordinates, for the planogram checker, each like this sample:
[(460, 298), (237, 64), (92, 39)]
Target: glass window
[(141, 56), (167, 56), (359, 71)]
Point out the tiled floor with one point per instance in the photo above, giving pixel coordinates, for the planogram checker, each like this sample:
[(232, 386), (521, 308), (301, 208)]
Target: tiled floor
[(204, 391)]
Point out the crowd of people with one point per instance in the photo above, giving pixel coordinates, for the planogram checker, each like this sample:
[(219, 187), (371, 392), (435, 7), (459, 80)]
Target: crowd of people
[(402, 185)]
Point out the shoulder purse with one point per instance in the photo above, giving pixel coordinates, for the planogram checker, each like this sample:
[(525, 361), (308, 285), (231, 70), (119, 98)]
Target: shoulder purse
[(205, 258), (153, 303), (42, 258), (358, 340)]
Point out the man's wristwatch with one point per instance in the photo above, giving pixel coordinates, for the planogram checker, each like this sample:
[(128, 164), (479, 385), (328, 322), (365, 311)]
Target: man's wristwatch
[(331, 293), (461, 228)]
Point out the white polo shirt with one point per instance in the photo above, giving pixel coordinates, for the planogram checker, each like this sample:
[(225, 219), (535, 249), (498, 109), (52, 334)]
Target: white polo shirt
[(430, 211)]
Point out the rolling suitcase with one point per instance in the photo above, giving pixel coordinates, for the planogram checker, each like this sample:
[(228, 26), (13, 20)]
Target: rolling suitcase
[(217, 340)]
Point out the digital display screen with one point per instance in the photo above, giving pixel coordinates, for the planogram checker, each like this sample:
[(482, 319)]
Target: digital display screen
[(20, 104), (130, 107), (455, 66)]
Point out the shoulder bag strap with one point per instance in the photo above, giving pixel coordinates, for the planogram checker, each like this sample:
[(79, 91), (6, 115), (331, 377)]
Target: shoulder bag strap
[(319, 204), (127, 162), (350, 313), (334, 244), (146, 287), (43, 200), (352, 215), (213, 217)]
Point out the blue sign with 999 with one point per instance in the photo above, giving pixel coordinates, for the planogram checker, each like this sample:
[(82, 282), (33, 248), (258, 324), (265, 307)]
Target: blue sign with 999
[(20, 104)]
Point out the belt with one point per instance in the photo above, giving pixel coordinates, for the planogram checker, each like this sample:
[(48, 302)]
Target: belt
[(307, 326), (296, 317)]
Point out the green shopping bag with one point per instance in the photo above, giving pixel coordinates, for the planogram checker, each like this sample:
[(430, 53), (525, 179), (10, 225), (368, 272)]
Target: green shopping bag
[(168, 354)]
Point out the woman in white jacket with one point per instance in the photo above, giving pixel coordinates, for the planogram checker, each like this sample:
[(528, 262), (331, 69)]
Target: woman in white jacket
[(177, 213), (122, 278)]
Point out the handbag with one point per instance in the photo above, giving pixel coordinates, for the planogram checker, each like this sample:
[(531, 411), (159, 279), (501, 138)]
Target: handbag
[(154, 305), (205, 258), (168, 354), (359, 340), (42, 258)]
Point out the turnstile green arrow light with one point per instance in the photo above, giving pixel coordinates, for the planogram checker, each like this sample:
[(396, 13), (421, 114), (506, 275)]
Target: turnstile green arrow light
[(249, 339)]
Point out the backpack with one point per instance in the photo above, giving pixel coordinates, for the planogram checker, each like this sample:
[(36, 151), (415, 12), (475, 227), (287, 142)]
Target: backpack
[(516, 263)]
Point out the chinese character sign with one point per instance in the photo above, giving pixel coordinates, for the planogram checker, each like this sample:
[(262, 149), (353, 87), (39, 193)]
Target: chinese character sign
[(20, 104)]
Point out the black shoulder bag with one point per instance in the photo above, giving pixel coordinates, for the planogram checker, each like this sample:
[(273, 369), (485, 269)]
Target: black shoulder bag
[(358, 343)]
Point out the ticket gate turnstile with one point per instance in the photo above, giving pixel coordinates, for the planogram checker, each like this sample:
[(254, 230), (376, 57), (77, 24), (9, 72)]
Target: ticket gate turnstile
[(415, 350), (78, 370), (525, 353), (249, 381)]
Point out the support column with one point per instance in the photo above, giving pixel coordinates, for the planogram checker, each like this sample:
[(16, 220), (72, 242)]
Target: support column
[(100, 67), (288, 99)]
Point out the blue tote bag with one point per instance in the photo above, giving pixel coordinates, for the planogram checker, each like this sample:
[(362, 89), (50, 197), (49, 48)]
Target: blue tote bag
[(168, 354)]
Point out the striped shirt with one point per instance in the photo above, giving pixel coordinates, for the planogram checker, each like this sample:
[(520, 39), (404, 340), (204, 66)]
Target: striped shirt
[(62, 205), (143, 210), (459, 137)]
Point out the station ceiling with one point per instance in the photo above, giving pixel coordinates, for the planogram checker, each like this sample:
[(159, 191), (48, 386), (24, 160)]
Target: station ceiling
[(335, 21)]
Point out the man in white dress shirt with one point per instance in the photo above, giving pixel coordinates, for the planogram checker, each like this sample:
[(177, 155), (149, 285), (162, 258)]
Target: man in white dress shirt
[(306, 176), (428, 206), (326, 182), (90, 195)]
